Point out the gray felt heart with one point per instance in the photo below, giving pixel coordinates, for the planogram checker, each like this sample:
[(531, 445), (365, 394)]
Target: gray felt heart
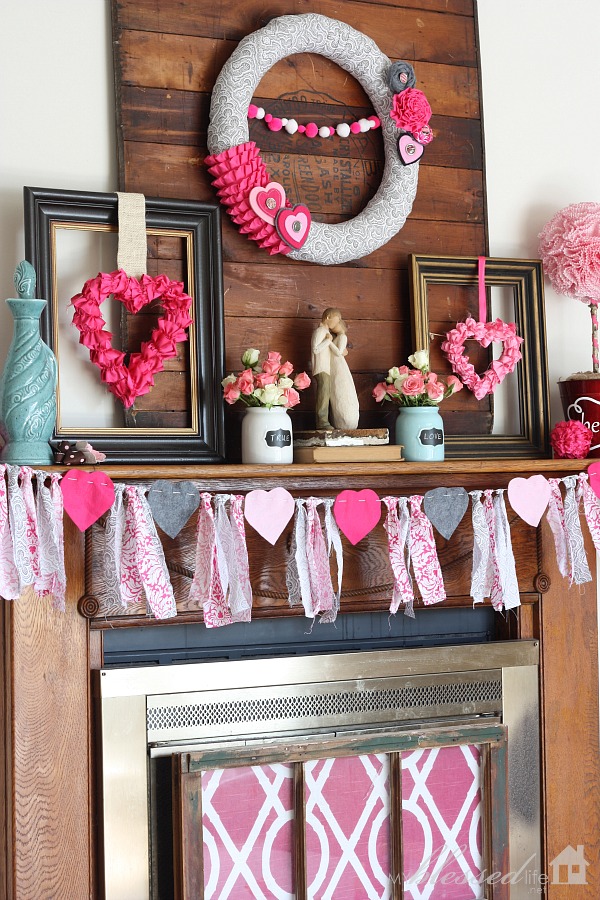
[(172, 503), (445, 507)]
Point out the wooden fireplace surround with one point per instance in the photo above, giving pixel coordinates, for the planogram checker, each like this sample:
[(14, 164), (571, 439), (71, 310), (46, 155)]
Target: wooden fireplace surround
[(48, 821)]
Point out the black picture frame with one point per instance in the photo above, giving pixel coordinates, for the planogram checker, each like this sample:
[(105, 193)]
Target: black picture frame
[(198, 224), (525, 277)]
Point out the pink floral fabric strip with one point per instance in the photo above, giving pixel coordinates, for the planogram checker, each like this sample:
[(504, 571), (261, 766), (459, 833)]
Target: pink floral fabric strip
[(206, 589), (591, 506), (142, 552), (10, 587), (423, 552), (494, 578), (396, 526), (232, 556), (22, 525), (318, 560), (297, 577), (563, 519), (49, 515)]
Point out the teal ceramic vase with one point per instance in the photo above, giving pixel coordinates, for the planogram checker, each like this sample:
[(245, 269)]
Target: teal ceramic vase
[(420, 430), (28, 382)]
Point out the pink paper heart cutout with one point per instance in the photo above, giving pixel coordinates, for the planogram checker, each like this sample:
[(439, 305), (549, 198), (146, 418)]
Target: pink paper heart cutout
[(269, 512), (485, 333), (529, 497), (410, 150), (293, 225), (357, 513), (86, 496), (267, 201), (593, 471)]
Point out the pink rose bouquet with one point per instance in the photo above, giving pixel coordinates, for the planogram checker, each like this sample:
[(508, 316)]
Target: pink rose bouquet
[(267, 383), (417, 386)]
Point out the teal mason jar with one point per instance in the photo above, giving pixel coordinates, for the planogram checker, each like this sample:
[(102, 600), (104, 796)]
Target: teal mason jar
[(420, 430)]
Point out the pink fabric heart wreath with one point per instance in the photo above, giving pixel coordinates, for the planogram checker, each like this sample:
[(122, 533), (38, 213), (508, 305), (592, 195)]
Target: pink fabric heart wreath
[(137, 377), (485, 333)]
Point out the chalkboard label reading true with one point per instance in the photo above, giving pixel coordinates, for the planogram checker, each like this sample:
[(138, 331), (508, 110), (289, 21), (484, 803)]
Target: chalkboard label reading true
[(432, 437), (279, 438)]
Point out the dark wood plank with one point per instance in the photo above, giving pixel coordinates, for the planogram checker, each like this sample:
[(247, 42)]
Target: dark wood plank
[(181, 63), (398, 31)]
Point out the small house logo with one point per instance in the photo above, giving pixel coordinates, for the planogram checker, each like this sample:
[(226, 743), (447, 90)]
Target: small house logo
[(569, 867)]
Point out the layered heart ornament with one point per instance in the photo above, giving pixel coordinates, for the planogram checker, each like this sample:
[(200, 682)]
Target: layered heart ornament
[(357, 513), (269, 512), (529, 497), (293, 225), (127, 382), (410, 150), (86, 496), (267, 201), (445, 508), (172, 503), (485, 333)]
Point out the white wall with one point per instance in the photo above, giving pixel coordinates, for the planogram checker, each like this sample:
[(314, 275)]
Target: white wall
[(540, 72)]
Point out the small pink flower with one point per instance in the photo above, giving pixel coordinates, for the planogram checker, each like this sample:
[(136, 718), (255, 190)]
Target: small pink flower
[(286, 369), (380, 390), (435, 391), (245, 381), (301, 381), (231, 392), (455, 383), (263, 379), (413, 385), (292, 397), (272, 363)]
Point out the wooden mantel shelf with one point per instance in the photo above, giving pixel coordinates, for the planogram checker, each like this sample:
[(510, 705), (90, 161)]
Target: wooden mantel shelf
[(457, 467), (48, 839)]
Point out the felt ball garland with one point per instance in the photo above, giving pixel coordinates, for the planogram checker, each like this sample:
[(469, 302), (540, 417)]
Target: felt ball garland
[(311, 129)]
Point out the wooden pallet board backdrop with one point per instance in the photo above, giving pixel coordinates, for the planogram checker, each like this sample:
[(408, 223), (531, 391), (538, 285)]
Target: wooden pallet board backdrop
[(167, 57)]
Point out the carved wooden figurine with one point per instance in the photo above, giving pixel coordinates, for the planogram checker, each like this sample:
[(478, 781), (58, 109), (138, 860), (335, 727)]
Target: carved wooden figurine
[(337, 401)]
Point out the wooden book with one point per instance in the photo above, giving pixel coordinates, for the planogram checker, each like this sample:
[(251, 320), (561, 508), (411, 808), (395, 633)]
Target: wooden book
[(373, 453)]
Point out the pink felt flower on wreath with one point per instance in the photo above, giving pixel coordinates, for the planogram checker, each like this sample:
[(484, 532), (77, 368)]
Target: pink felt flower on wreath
[(571, 440), (411, 110)]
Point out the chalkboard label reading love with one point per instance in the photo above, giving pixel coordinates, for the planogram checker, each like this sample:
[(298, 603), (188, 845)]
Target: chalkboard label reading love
[(279, 438), (432, 437)]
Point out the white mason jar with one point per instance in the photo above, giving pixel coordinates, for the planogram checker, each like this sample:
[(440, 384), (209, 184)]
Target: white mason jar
[(267, 437)]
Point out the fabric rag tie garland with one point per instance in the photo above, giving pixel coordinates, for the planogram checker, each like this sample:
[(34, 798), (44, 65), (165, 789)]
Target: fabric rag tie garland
[(485, 333), (237, 168), (131, 380)]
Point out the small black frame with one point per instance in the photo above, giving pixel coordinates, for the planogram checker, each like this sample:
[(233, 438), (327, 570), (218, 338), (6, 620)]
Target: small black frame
[(199, 225)]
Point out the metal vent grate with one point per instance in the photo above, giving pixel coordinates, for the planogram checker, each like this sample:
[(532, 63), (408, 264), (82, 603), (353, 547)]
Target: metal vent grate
[(418, 700)]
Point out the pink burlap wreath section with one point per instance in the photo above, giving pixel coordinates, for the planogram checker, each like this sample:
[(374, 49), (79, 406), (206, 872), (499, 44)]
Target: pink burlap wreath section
[(485, 333), (127, 382)]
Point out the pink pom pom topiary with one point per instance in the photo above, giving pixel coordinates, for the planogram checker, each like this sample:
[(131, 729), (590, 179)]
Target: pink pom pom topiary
[(571, 440), (570, 252)]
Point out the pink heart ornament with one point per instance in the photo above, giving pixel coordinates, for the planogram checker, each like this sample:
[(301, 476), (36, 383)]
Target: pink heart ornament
[(357, 513), (86, 496), (410, 150), (293, 225), (529, 497), (269, 512), (594, 477), (267, 201)]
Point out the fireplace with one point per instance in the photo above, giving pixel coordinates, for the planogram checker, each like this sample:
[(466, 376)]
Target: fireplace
[(378, 772)]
